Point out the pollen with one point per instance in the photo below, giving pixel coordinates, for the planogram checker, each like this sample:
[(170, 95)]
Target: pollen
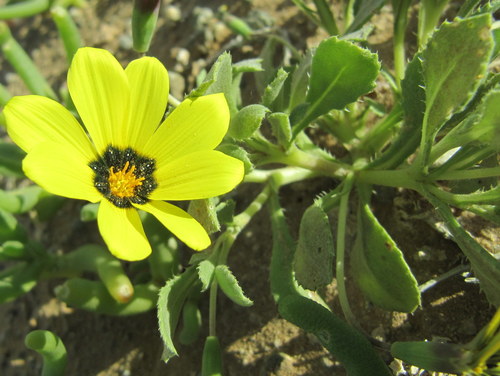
[(123, 183)]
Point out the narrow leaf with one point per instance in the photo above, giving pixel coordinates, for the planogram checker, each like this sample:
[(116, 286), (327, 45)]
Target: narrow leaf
[(365, 10)]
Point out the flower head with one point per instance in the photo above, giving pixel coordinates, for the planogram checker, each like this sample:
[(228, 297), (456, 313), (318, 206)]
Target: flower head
[(126, 158)]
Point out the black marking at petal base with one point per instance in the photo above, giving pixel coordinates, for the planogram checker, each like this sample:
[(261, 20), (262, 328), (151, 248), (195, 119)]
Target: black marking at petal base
[(117, 158)]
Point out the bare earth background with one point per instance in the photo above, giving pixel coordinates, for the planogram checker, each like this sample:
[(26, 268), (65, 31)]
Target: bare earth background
[(255, 340)]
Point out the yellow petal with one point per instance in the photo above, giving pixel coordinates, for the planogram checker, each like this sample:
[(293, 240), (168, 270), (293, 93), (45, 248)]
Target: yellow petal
[(32, 120), (148, 81), (180, 223), (197, 175), (193, 125), (61, 171), (100, 91), (122, 232)]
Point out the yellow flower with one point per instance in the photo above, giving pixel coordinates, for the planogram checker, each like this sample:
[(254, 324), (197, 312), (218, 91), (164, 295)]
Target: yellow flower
[(128, 160)]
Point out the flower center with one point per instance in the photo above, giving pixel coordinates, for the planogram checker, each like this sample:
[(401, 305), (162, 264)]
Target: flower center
[(123, 176), (123, 182)]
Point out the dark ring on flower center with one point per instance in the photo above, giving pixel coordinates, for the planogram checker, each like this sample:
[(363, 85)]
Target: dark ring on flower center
[(124, 177)]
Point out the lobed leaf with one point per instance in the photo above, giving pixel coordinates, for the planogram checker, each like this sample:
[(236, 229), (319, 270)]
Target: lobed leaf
[(454, 62)]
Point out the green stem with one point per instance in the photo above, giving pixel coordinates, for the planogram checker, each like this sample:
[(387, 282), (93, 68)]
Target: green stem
[(295, 52), (340, 254), (377, 136), (173, 101), (309, 161), (242, 219), (488, 197), (403, 178), (476, 173), (212, 314)]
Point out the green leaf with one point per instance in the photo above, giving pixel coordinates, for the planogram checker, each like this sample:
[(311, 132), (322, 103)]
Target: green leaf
[(11, 157), (203, 211), (454, 61), (88, 212), (10, 229), (246, 122), (379, 268), (340, 73), (280, 125), (144, 17), (170, 301), (300, 80), (238, 153), (272, 90), (485, 266), (483, 125), (191, 323), (229, 285), (12, 250), (206, 270), (9, 202), (93, 296), (28, 197), (222, 74), (23, 64), (365, 9), (225, 211), (51, 348), (313, 261), (432, 356), (68, 30), (248, 65), (18, 280), (413, 103), (211, 364), (343, 341)]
